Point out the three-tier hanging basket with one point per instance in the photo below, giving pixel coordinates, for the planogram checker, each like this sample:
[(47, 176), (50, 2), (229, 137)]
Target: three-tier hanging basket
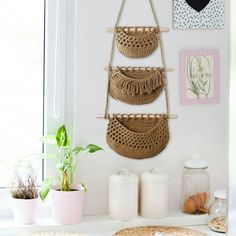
[(137, 136)]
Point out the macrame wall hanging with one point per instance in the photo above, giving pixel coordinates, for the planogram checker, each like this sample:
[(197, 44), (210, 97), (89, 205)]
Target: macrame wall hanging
[(137, 136)]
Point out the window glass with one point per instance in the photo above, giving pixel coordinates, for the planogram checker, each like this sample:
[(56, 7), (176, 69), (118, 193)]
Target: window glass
[(21, 76)]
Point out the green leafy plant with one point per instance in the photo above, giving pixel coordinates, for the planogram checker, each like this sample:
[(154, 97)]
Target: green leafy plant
[(67, 157)]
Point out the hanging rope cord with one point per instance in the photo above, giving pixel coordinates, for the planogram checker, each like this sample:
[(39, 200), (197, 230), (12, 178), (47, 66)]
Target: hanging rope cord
[(112, 56), (113, 50)]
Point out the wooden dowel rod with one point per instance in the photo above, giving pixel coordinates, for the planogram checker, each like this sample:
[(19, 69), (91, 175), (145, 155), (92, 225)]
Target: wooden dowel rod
[(171, 116), (113, 30), (131, 68)]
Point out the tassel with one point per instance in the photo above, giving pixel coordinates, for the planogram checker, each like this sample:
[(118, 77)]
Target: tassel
[(134, 86)]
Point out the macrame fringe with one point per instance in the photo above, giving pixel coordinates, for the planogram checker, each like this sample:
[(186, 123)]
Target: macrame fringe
[(139, 86)]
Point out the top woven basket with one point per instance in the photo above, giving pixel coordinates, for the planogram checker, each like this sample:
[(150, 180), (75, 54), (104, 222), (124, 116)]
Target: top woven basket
[(159, 231), (137, 42)]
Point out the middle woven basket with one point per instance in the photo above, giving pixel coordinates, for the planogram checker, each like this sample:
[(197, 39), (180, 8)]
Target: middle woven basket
[(137, 137), (136, 85)]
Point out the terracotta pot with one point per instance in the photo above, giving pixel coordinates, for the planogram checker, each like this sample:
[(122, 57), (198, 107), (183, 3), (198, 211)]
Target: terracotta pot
[(24, 210), (67, 207)]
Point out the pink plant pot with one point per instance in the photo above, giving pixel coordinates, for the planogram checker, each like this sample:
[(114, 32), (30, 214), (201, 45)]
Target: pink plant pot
[(24, 210), (67, 207)]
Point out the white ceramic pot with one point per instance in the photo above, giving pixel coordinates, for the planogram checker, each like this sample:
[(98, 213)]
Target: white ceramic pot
[(24, 210), (67, 207)]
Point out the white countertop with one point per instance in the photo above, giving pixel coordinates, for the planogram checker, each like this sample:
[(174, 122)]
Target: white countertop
[(103, 226)]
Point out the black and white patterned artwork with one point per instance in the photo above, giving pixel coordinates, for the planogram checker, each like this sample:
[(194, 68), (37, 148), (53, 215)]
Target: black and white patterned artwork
[(198, 14)]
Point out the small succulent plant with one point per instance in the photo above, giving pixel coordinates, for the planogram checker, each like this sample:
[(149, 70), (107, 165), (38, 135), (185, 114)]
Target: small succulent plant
[(25, 187)]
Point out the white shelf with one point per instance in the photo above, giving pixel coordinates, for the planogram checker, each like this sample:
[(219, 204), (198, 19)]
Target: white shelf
[(103, 225)]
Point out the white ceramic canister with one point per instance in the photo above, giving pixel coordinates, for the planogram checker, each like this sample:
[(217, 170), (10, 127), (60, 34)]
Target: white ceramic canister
[(123, 195), (154, 194)]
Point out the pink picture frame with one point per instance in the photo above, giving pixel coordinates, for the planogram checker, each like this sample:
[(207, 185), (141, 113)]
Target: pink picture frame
[(199, 76)]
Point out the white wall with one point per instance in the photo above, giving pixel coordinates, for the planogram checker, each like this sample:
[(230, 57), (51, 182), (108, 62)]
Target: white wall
[(199, 128)]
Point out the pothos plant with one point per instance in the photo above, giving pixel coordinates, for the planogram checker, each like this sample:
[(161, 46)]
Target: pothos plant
[(68, 159)]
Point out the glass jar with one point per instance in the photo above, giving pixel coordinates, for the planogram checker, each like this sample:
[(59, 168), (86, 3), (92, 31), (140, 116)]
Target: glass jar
[(217, 219), (195, 187)]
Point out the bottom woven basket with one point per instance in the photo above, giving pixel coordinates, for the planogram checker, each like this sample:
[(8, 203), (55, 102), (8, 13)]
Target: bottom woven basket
[(158, 231), (137, 137)]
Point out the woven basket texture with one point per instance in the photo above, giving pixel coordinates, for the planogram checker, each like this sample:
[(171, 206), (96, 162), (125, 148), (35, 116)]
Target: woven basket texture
[(138, 137), (137, 42), (136, 86), (159, 231)]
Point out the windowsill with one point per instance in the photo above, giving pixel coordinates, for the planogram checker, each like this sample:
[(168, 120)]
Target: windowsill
[(103, 225)]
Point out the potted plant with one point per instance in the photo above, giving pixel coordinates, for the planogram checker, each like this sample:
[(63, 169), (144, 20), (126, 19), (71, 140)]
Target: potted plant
[(24, 197), (67, 196)]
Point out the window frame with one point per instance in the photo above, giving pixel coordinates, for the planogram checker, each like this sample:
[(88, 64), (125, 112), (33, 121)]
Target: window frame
[(67, 59)]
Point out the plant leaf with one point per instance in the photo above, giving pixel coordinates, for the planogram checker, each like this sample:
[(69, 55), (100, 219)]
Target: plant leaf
[(46, 186), (60, 166), (91, 148), (61, 137), (49, 139), (76, 150), (64, 166), (84, 187)]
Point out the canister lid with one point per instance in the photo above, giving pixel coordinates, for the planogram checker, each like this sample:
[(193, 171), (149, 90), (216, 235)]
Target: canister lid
[(220, 194), (123, 176), (154, 175), (195, 163)]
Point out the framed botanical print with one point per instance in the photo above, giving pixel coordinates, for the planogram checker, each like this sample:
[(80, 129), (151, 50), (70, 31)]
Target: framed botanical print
[(199, 76), (198, 14)]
